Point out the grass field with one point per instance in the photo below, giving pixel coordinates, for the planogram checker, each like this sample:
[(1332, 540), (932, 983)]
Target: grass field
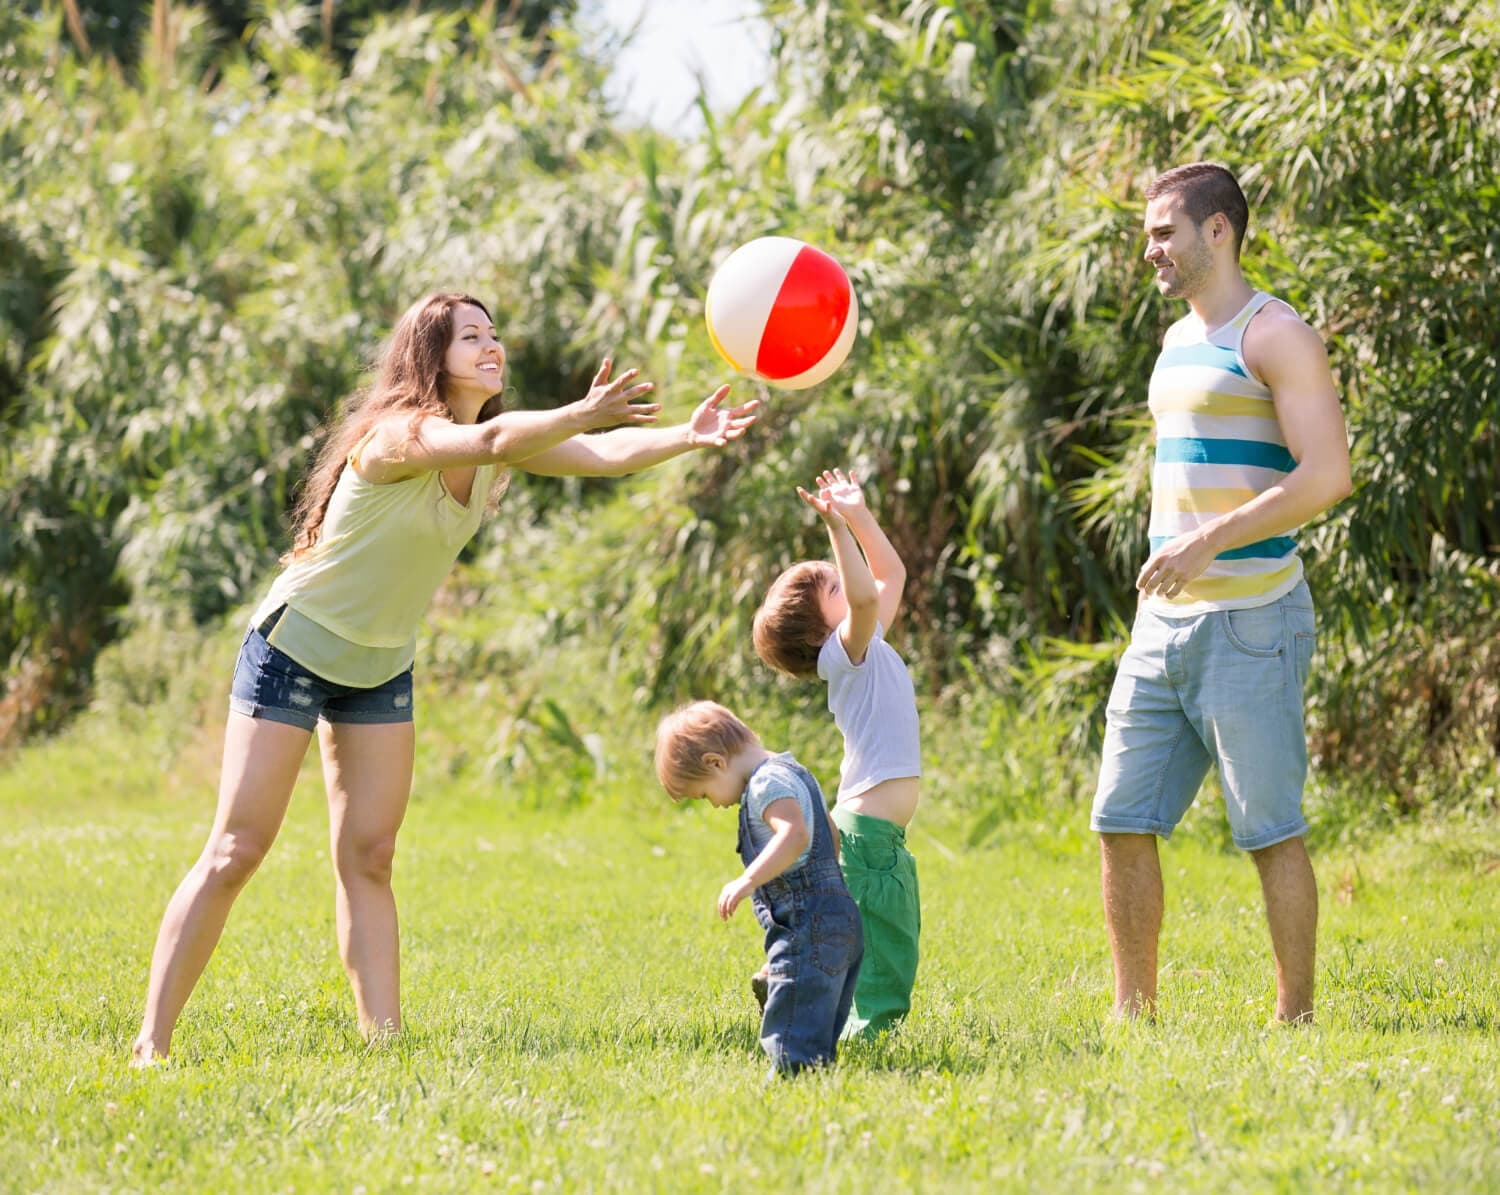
[(577, 1018)]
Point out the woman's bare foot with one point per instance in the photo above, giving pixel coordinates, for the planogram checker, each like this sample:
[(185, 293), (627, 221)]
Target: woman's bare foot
[(143, 1053)]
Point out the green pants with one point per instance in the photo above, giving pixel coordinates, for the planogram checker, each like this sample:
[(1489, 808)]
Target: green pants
[(882, 878)]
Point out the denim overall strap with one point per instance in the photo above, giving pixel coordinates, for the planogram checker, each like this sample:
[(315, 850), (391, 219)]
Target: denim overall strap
[(746, 851), (822, 863), (742, 843)]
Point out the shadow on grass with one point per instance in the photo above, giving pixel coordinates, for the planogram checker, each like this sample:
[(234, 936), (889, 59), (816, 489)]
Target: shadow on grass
[(514, 1035)]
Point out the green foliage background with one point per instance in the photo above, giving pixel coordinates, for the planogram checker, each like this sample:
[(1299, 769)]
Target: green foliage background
[(199, 254)]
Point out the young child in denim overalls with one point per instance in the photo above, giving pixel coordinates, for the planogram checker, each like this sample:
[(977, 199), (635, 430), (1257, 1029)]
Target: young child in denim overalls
[(787, 843)]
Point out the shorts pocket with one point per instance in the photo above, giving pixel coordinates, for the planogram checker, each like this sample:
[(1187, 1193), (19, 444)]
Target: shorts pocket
[(1302, 628), (1306, 645), (1258, 631)]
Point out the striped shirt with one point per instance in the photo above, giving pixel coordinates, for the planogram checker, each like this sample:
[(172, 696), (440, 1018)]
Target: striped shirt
[(1218, 445)]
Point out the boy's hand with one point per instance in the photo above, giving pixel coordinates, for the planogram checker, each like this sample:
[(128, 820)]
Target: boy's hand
[(842, 493), (821, 503), (713, 427), (731, 895)]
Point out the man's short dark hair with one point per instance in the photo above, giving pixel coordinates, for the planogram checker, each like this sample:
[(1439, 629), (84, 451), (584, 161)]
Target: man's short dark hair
[(1205, 188)]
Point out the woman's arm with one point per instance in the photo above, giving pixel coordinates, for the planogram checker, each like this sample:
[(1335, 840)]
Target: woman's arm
[(396, 451), (628, 450)]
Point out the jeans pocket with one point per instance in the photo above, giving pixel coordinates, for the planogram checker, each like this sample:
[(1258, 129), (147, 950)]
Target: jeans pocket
[(1302, 630), (1306, 644), (835, 939), (1259, 631)]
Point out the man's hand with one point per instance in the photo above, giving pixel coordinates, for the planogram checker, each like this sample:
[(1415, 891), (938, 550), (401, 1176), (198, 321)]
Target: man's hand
[(1175, 564)]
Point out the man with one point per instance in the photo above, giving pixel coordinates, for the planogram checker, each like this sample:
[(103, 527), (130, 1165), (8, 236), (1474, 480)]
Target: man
[(1250, 444)]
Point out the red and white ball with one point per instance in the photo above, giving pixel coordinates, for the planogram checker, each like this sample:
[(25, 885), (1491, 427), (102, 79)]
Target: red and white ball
[(782, 311)]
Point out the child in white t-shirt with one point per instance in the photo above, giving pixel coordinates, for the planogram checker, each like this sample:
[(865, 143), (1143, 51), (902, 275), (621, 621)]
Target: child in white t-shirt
[(830, 621)]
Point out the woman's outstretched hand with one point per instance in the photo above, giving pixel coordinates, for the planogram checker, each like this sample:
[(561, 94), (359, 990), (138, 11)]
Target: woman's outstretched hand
[(713, 427), (609, 404)]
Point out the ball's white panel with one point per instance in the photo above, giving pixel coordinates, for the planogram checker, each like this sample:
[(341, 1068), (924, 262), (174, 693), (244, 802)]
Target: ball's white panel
[(742, 293)]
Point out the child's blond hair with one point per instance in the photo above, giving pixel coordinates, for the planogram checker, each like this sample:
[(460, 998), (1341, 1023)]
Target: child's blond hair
[(789, 630), (689, 733)]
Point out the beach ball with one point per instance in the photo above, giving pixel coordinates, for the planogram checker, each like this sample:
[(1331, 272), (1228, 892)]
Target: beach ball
[(782, 311)]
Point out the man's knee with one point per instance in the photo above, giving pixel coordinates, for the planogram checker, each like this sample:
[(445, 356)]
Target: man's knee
[(1127, 847)]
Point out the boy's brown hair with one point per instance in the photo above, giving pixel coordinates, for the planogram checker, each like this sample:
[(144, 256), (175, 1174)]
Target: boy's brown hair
[(789, 630), (689, 733)]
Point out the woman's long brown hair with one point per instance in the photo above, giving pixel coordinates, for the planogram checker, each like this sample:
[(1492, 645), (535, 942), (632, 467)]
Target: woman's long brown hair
[(410, 378)]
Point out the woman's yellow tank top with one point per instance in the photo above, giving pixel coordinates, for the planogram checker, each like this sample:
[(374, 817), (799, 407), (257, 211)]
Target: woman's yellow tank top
[(354, 600)]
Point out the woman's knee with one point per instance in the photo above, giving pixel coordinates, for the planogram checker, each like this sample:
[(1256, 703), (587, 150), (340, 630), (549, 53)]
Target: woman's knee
[(369, 859), (232, 857)]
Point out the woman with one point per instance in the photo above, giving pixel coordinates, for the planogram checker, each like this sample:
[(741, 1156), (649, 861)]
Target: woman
[(396, 492)]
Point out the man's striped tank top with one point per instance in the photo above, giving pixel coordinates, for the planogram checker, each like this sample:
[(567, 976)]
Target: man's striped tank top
[(1218, 445)]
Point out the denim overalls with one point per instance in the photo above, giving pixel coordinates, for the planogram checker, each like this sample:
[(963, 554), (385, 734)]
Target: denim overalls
[(814, 944)]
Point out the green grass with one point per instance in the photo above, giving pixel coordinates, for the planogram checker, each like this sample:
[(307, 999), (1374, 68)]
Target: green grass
[(577, 1018)]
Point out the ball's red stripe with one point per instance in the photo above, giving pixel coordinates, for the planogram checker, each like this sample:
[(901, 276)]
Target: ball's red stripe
[(807, 317)]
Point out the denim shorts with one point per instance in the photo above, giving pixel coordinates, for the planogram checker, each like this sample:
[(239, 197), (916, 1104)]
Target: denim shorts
[(269, 684), (1221, 688)]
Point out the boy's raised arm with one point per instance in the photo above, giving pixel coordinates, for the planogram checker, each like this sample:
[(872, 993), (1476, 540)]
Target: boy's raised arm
[(861, 593), (847, 499)]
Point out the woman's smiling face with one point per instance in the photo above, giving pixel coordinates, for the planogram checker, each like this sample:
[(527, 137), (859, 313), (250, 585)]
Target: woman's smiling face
[(474, 364)]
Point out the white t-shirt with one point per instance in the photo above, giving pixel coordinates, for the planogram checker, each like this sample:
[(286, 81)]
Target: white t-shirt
[(875, 708)]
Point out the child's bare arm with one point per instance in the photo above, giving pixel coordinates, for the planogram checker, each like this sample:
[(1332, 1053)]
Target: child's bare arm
[(789, 838), (847, 499), (855, 579)]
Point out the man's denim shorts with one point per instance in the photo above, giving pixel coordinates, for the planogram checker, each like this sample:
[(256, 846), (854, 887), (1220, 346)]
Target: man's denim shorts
[(269, 684), (1221, 688)]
